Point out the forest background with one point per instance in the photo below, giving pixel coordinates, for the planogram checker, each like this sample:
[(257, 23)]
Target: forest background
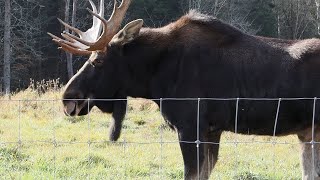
[(29, 53)]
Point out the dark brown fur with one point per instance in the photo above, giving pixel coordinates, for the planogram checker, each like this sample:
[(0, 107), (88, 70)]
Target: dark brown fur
[(199, 56)]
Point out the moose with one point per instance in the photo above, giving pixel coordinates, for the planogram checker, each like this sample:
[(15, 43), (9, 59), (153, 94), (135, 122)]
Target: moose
[(202, 59)]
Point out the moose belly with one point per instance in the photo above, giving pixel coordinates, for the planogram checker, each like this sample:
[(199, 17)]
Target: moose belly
[(264, 117)]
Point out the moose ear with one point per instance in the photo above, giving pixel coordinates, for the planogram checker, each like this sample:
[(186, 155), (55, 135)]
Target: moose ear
[(128, 33)]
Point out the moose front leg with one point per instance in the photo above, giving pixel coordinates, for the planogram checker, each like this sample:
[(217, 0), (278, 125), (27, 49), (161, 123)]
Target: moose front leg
[(119, 112)]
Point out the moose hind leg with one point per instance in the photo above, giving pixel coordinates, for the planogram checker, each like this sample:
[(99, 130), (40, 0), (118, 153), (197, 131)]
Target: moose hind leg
[(310, 154), (208, 154), (189, 154), (211, 149), (317, 153), (193, 155)]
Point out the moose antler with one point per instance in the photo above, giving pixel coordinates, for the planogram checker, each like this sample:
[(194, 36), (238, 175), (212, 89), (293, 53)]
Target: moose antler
[(90, 41)]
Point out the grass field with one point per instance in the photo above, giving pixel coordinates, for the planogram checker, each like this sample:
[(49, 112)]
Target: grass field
[(38, 142)]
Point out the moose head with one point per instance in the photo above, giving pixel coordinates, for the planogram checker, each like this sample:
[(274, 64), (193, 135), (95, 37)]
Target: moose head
[(100, 76), (90, 82)]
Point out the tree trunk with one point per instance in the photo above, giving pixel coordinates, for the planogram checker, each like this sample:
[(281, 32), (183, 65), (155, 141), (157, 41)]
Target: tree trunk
[(230, 15), (215, 12), (278, 6), (68, 55), (74, 13), (278, 26), (318, 15), (7, 47), (73, 23)]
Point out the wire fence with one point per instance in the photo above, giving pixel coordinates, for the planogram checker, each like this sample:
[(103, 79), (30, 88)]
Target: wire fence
[(23, 108)]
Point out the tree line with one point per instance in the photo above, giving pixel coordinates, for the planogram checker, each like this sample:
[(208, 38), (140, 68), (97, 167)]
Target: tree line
[(27, 52)]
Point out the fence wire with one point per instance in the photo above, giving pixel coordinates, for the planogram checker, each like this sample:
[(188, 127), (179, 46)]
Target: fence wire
[(161, 142)]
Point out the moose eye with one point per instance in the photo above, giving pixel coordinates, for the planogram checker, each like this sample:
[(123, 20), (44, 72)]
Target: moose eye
[(97, 62)]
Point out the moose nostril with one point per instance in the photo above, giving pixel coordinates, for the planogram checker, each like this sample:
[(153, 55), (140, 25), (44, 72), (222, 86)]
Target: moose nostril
[(70, 108), (73, 113)]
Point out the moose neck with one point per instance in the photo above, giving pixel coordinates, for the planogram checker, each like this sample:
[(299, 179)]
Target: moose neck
[(145, 55)]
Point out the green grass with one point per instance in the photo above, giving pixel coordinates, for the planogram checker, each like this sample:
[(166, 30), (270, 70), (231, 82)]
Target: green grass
[(40, 123)]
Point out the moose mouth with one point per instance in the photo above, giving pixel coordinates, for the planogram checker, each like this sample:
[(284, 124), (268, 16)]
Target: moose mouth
[(77, 108)]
